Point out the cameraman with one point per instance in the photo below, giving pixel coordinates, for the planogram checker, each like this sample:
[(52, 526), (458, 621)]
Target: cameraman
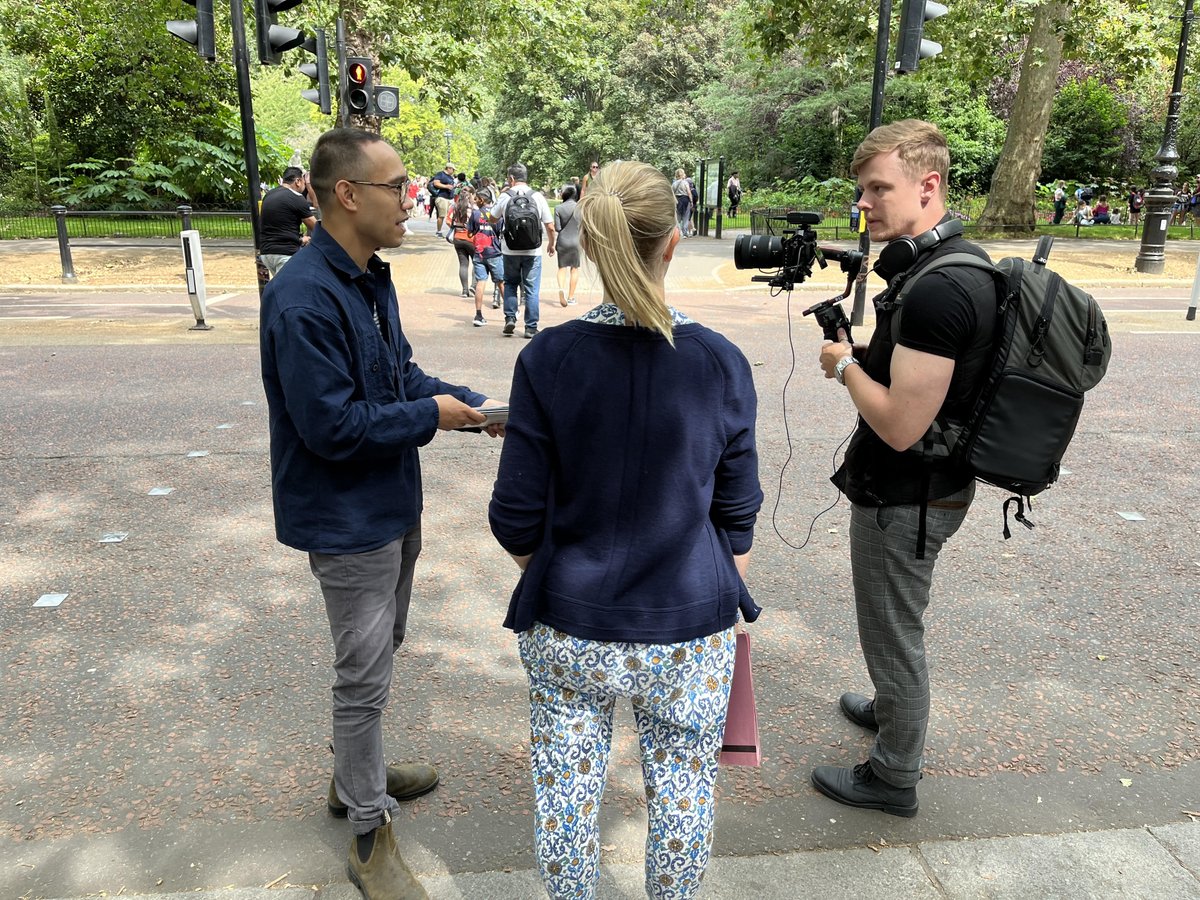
[(906, 501)]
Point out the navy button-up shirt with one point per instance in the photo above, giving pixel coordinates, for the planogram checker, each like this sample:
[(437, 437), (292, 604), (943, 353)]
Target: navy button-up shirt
[(348, 406)]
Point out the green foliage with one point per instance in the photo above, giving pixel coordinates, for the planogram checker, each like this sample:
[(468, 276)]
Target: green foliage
[(627, 94), (831, 197), (1083, 140), (109, 73), (121, 184)]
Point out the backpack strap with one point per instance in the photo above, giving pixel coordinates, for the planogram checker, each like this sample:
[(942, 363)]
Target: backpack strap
[(950, 259)]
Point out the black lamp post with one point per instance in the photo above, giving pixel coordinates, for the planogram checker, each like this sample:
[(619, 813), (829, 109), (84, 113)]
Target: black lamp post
[(449, 134), (1160, 199)]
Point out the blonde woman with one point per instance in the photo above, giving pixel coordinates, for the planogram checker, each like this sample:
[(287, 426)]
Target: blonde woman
[(627, 493), (681, 187)]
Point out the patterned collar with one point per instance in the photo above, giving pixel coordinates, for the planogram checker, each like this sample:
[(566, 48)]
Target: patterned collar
[(610, 314)]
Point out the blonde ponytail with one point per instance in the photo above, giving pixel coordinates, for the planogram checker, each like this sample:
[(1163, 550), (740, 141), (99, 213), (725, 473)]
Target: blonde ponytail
[(626, 218)]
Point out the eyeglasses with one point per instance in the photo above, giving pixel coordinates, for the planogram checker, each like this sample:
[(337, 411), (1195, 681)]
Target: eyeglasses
[(399, 188), (595, 167)]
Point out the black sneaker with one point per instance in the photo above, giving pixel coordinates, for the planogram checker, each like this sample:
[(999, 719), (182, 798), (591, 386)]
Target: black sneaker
[(510, 324), (530, 332), (480, 321), (861, 788)]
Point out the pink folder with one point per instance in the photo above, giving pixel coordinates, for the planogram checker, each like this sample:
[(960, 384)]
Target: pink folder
[(739, 746)]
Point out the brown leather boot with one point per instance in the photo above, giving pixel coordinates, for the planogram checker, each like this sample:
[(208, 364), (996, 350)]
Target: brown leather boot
[(405, 781), (384, 876)]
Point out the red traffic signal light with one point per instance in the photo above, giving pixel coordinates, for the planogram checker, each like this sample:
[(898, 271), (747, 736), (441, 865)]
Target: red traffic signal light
[(359, 90)]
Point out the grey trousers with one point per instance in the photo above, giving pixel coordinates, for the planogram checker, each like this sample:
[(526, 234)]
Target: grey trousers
[(274, 261), (366, 598), (891, 591)]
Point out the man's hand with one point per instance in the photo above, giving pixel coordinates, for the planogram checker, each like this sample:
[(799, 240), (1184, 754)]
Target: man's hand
[(495, 429), (453, 413), (833, 351)]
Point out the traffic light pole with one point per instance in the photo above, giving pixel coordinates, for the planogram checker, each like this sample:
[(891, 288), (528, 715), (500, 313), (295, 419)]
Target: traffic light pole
[(241, 64), (881, 61), (343, 112)]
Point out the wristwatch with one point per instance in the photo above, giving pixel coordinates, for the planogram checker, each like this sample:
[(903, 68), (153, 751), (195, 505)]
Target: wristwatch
[(839, 371)]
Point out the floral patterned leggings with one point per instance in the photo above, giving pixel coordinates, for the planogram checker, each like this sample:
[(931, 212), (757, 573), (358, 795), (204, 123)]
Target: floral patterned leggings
[(680, 693)]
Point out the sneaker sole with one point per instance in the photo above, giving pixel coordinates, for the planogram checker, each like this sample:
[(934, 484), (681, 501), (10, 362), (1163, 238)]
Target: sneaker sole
[(478, 323)]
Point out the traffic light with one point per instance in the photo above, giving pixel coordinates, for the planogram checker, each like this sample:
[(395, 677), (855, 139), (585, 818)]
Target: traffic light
[(911, 48), (199, 31), (274, 39), (359, 93), (387, 102), (318, 72)]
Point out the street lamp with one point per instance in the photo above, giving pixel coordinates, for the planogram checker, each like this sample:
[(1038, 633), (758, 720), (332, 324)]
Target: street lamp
[(450, 134), (1160, 199)]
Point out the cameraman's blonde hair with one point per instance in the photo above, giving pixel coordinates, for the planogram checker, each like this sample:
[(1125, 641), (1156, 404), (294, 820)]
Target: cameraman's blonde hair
[(625, 220), (921, 144)]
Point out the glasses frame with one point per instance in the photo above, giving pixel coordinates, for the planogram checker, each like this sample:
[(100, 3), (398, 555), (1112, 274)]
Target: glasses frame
[(399, 189)]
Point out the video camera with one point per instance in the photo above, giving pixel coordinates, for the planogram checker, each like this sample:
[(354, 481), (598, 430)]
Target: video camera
[(792, 256)]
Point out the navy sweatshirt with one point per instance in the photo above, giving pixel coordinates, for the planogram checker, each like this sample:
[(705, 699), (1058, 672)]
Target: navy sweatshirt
[(630, 472)]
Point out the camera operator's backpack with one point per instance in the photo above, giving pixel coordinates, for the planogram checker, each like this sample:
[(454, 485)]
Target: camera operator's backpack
[(522, 223), (1052, 346)]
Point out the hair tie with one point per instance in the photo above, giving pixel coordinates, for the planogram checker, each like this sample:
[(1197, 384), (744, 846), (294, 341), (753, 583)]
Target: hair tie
[(615, 194)]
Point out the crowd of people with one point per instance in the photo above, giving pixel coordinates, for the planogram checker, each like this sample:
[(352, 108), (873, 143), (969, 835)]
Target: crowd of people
[(627, 489), (1186, 204)]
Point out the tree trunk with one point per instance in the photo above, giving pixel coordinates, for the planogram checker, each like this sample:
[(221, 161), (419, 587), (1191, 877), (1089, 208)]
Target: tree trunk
[(1011, 198)]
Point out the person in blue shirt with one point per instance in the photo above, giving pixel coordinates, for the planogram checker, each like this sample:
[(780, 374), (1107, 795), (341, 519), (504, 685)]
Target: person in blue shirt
[(627, 493), (348, 411)]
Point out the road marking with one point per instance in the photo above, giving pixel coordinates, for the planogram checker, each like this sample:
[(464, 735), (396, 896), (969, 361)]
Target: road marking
[(220, 297)]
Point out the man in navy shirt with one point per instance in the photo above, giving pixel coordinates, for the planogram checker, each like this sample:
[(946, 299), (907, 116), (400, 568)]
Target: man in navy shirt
[(348, 410)]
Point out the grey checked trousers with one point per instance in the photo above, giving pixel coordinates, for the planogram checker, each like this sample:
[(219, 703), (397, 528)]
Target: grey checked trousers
[(891, 591), (366, 598)]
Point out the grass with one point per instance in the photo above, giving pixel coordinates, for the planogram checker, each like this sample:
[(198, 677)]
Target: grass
[(24, 227)]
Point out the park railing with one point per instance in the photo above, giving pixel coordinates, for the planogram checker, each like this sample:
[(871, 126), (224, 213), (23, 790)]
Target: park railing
[(88, 224)]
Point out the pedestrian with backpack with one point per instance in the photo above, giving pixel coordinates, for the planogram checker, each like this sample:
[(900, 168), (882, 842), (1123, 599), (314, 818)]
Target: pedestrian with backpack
[(525, 215), (908, 495), (489, 263)]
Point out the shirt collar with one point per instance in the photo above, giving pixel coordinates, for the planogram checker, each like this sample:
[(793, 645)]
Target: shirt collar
[(340, 260)]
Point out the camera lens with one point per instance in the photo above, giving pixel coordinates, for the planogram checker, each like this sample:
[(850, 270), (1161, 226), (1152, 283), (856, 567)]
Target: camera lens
[(758, 251)]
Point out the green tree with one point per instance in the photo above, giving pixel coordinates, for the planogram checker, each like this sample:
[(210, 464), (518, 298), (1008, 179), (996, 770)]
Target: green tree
[(110, 74), (1083, 137)]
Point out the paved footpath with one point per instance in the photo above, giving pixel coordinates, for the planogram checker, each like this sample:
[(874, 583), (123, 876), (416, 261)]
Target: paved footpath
[(166, 725)]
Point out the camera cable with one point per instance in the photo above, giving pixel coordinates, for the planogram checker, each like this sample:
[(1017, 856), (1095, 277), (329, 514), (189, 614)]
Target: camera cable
[(787, 431)]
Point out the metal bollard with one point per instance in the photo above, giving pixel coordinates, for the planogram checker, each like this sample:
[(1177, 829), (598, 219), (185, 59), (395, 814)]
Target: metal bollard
[(185, 213), (64, 244), (193, 267)]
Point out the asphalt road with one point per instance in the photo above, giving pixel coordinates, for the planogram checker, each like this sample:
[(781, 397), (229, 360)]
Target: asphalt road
[(166, 725)]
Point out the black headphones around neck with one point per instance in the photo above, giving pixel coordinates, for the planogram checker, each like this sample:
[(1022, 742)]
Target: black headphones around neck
[(902, 254)]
